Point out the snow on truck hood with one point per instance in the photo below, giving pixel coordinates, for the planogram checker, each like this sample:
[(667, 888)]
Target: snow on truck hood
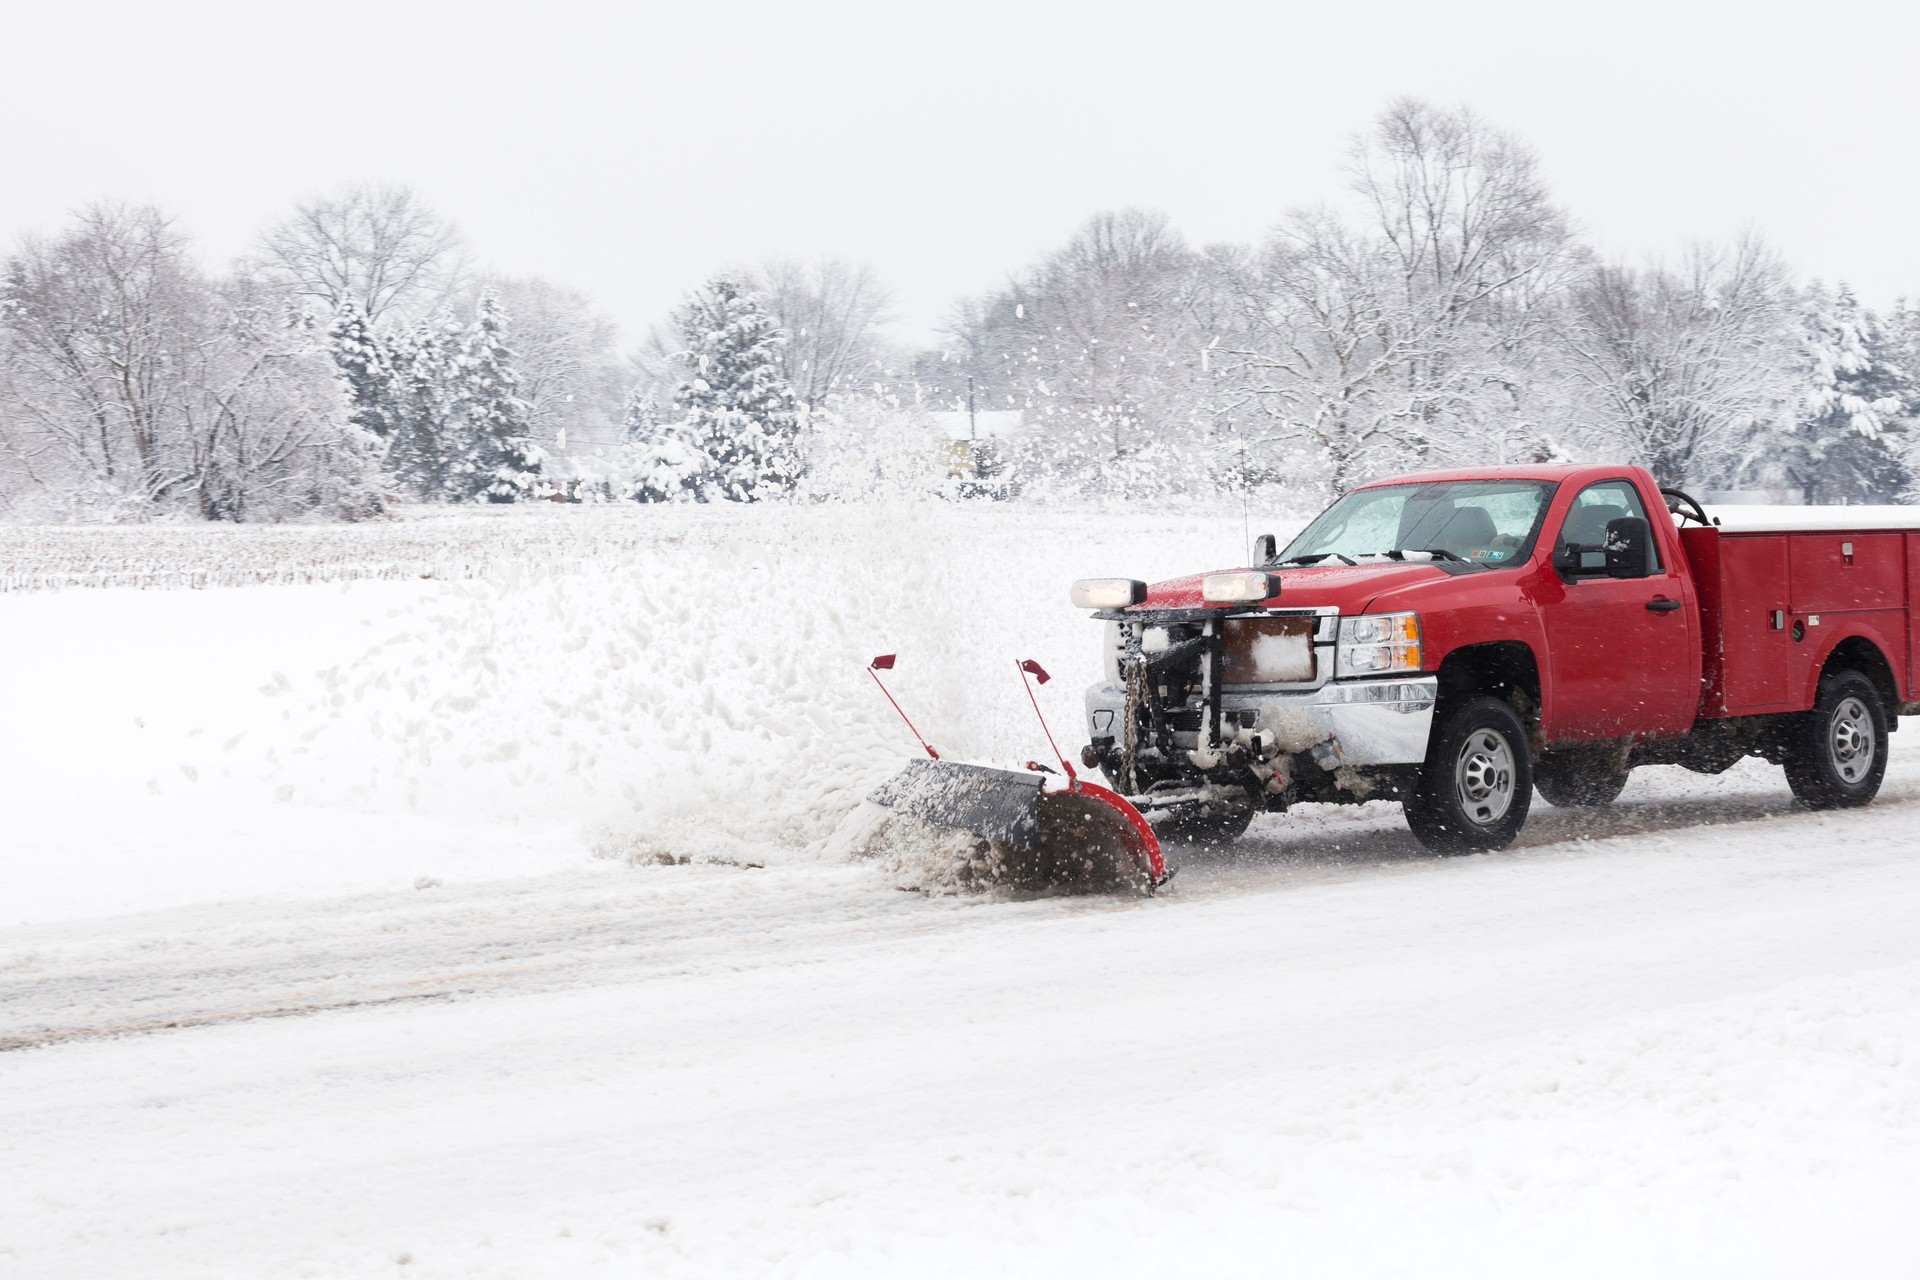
[(1347, 587)]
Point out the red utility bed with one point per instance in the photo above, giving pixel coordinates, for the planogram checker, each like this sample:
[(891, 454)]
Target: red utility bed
[(1781, 589)]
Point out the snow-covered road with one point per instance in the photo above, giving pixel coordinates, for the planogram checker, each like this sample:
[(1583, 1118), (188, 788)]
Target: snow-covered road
[(1679, 1037), (610, 921), (1682, 1038)]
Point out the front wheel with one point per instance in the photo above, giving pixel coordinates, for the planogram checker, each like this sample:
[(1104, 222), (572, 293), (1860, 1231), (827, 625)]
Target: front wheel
[(1837, 752), (1477, 782)]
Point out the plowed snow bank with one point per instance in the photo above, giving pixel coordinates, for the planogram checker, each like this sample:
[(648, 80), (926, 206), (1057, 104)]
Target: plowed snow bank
[(704, 696), (689, 685)]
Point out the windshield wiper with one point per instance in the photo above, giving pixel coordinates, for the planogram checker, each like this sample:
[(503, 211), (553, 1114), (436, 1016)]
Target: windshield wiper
[(1438, 553), (1316, 559)]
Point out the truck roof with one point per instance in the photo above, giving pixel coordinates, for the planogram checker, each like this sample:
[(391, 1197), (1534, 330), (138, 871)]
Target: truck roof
[(1552, 472), (1730, 519)]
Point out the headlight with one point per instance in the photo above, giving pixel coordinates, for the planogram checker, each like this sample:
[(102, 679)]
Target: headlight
[(1376, 643), (1108, 593), (1238, 588)]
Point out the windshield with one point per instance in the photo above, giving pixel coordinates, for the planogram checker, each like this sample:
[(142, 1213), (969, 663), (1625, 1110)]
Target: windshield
[(1491, 523)]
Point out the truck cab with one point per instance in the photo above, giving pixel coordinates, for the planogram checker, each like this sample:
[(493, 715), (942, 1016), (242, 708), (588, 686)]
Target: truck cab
[(1456, 639)]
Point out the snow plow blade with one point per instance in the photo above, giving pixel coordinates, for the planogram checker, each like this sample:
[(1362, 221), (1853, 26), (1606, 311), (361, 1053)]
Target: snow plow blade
[(1081, 836), (1000, 804)]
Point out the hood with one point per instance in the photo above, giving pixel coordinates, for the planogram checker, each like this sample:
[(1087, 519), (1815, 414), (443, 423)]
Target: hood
[(1348, 588)]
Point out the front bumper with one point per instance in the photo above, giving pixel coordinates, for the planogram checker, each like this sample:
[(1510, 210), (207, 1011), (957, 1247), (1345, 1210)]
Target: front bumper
[(1344, 722)]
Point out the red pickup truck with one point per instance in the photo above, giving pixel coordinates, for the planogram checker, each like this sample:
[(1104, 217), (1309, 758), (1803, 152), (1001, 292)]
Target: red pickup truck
[(1456, 640)]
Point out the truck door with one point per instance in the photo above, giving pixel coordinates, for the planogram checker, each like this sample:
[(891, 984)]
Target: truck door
[(1621, 652)]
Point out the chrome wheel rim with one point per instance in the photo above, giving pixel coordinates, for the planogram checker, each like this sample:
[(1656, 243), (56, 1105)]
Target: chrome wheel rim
[(1483, 776), (1850, 740)]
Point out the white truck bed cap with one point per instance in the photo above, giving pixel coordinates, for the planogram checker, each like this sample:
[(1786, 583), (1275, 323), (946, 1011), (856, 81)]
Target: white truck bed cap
[(1794, 519)]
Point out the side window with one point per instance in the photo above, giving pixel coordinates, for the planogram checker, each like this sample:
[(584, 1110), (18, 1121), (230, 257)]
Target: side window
[(1583, 534)]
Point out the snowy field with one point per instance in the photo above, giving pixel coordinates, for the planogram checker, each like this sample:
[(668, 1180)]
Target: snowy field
[(539, 849)]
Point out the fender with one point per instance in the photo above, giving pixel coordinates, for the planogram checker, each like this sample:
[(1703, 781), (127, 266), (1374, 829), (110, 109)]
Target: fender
[(1857, 629)]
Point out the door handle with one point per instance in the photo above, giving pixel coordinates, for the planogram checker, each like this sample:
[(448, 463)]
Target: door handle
[(1660, 604)]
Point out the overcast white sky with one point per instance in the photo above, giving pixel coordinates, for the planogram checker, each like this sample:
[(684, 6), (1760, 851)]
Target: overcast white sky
[(630, 149)]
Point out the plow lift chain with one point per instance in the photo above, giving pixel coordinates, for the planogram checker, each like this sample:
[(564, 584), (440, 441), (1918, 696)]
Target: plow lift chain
[(1210, 689), (1133, 665), (1144, 677)]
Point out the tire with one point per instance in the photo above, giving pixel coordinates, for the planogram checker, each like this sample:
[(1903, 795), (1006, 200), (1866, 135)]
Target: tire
[(1477, 783), (1578, 779), (1836, 754), (1219, 823)]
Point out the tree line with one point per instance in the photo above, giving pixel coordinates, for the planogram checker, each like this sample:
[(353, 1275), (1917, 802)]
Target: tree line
[(1443, 311), (135, 384)]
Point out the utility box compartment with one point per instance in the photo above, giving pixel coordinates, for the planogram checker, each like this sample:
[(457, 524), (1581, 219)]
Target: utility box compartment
[(1775, 602), (1755, 639), (1835, 572)]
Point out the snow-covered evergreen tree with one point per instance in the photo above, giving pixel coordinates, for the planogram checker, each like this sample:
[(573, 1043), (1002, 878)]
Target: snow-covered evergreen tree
[(661, 467), (490, 451), (366, 366), (1902, 351), (642, 417), (423, 363), (1844, 442), (737, 414), (664, 469)]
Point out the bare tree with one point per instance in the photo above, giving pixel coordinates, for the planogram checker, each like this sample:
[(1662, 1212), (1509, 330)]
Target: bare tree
[(565, 353), (96, 320), (1327, 336), (1461, 209), (1413, 333), (262, 428), (133, 383), (832, 312), (1673, 366), (1481, 256), (378, 245), (1097, 344), (1099, 313)]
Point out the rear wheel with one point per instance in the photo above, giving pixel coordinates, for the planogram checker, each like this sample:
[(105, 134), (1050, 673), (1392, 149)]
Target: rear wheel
[(1477, 782), (1837, 752)]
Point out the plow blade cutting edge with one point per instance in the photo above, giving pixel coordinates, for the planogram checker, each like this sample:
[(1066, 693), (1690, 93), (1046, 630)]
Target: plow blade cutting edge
[(1080, 836)]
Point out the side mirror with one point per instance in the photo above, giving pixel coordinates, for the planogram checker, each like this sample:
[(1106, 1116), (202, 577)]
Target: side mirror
[(1265, 549), (1573, 560), (1629, 540)]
